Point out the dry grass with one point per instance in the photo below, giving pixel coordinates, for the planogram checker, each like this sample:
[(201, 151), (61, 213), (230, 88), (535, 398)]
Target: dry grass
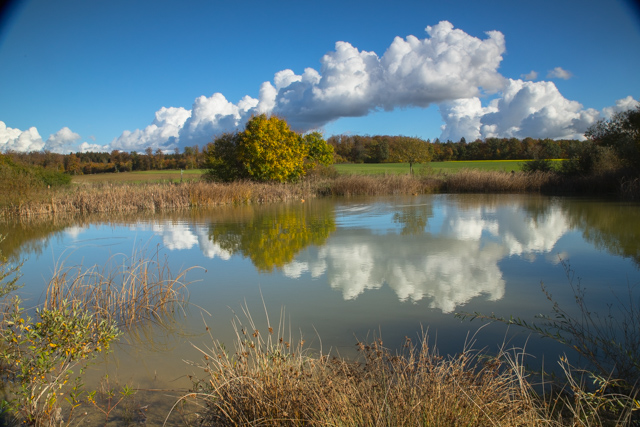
[(122, 198), (474, 181), (127, 290), (271, 380), (149, 197), (370, 185)]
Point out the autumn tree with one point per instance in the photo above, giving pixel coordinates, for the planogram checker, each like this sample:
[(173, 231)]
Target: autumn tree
[(413, 150), (267, 150)]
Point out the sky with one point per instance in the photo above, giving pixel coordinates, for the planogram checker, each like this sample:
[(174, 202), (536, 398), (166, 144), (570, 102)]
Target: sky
[(79, 75)]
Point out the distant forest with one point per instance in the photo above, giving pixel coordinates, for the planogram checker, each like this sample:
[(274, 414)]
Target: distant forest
[(387, 149), (347, 148)]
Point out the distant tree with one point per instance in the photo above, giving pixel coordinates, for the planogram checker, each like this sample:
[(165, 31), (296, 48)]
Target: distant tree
[(412, 151), (622, 134)]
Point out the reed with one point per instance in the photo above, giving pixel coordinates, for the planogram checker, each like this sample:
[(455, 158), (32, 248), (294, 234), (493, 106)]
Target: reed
[(371, 185), (153, 197), (474, 181), (272, 379), (126, 290)]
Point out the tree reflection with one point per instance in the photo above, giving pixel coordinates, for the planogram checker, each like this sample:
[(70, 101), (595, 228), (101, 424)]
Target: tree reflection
[(413, 219), (272, 237), (613, 227)]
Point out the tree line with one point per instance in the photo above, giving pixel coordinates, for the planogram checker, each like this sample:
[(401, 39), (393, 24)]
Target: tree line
[(115, 161), (610, 145), (390, 149)]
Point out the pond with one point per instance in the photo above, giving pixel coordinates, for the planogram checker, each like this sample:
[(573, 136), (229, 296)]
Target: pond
[(338, 271)]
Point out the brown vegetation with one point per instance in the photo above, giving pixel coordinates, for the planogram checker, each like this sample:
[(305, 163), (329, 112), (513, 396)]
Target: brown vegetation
[(273, 380), (153, 197), (125, 291)]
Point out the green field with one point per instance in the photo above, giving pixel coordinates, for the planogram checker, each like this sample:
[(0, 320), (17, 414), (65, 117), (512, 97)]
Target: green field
[(433, 167), (140, 176), (343, 168)]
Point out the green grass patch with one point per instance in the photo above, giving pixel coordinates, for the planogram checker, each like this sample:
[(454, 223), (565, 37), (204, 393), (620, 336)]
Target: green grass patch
[(435, 167), (140, 176)]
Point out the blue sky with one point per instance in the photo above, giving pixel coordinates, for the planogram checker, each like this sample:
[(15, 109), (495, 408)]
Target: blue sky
[(102, 75)]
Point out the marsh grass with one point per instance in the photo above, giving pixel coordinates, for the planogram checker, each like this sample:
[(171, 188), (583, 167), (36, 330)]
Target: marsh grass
[(120, 198), (126, 290), (271, 378), (474, 181)]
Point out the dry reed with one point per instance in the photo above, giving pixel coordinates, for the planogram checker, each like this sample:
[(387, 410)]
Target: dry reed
[(129, 291), (272, 380), (474, 181)]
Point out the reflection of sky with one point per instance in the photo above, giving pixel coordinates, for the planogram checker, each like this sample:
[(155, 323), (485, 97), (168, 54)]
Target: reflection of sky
[(454, 263), (454, 260)]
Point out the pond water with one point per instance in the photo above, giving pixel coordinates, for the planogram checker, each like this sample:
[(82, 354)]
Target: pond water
[(343, 270)]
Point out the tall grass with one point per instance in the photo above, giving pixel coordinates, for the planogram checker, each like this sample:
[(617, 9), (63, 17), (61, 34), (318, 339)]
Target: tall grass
[(121, 198), (474, 181), (127, 290), (272, 379)]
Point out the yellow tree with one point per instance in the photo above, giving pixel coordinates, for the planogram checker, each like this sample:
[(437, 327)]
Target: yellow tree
[(270, 151)]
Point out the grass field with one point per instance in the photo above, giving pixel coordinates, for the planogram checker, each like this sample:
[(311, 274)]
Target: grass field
[(434, 167), (140, 176), (343, 169)]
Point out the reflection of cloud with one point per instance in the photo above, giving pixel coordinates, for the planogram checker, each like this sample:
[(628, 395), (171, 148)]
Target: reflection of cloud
[(208, 248), (449, 272), (449, 268), (175, 236), (178, 236), (74, 231)]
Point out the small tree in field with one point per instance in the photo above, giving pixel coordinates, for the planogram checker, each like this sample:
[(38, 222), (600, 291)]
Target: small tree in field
[(267, 150), (413, 150)]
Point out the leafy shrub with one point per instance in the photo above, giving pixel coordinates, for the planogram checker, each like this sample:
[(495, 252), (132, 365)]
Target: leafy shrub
[(538, 165)]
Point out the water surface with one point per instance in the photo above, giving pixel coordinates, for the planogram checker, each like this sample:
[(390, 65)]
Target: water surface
[(343, 270)]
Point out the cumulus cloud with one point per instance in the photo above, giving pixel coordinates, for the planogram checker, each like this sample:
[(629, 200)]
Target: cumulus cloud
[(61, 141), (448, 67), (448, 64), (524, 109), (559, 73), (17, 140), (12, 139), (623, 104)]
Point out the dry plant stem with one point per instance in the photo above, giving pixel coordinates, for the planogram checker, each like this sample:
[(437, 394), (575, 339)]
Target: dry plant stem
[(136, 289), (271, 380)]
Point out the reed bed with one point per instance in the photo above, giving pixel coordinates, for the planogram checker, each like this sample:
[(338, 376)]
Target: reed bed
[(271, 380), (127, 290), (150, 197), (123, 198), (474, 181), (370, 185)]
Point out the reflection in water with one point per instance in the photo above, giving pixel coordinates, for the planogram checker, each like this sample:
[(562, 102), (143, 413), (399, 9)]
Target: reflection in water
[(275, 235), (445, 249)]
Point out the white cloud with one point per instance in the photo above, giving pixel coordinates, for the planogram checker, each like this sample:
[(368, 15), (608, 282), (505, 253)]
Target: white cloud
[(12, 139), (623, 104), (17, 140), (61, 141), (524, 109), (559, 73), (85, 147), (448, 67), (162, 133), (448, 64)]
